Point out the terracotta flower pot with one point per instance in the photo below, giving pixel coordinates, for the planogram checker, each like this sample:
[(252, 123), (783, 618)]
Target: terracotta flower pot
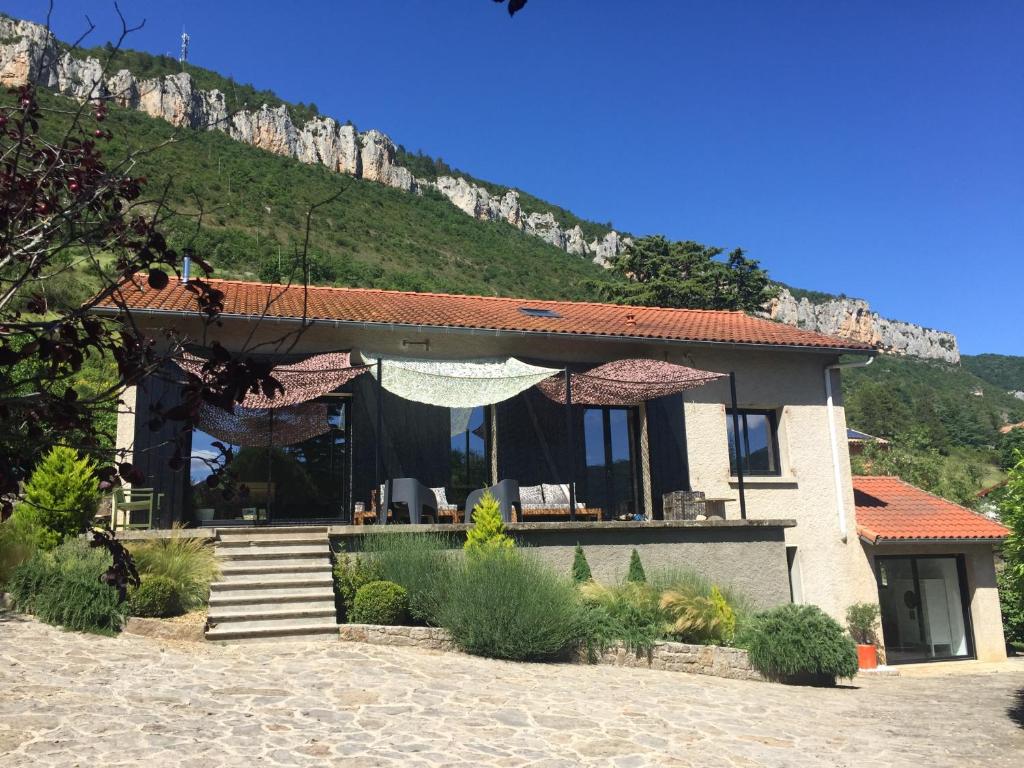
[(867, 656)]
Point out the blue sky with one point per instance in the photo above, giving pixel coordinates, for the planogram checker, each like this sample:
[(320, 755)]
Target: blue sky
[(873, 149)]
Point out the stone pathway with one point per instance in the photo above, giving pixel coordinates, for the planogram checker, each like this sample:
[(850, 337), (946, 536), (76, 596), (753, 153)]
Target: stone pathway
[(76, 700)]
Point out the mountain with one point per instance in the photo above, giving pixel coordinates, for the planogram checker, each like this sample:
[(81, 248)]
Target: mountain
[(1006, 371)]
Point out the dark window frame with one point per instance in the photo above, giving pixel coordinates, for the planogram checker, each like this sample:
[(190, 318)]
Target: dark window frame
[(775, 458)]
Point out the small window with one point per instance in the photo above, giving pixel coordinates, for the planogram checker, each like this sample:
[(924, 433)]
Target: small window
[(759, 442), (535, 312)]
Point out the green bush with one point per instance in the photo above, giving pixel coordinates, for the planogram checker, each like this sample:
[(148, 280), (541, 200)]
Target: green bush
[(1011, 603), (580, 567), (380, 602), (696, 618), (63, 588), (861, 620), (350, 573), (188, 562), (636, 568), (419, 562), (157, 597), (799, 644), (60, 497), (507, 605), (488, 532), (628, 613)]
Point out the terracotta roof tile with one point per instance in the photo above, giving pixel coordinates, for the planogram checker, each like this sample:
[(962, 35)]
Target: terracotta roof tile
[(487, 312), (889, 509)]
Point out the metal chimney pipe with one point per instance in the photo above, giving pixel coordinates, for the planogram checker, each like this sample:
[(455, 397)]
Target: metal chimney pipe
[(186, 263)]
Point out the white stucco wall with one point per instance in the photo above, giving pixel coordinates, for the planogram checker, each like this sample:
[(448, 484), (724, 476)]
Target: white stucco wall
[(124, 440)]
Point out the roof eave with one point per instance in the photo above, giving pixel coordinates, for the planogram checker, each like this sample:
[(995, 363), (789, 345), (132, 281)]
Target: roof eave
[(454, 329), (883, 540)]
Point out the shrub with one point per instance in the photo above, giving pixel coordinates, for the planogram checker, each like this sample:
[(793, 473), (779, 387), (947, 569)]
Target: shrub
[(380, 602), (507, 605), (63, 587), (627, 613), (190, 564), (636, 568), (800, 643), (416, 561), (1011, 603), (580, 566), (698, 618), (60, 497), (488, 531), (689, 582), (157, 597), (861, 620), (350, 573)]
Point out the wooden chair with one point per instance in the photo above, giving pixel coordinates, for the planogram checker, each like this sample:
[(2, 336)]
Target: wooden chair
[(133, 508)]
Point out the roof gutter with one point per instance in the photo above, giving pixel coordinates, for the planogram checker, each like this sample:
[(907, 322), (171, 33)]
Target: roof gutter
[(460, 330), (834, 439), (882, 541)]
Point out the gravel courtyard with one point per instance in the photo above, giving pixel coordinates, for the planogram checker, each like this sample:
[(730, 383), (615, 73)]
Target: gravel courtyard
[(76, 700)]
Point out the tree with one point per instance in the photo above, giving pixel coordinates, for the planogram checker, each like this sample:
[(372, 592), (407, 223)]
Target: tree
[(60, 498), (580, 567), (1012, 515), (687, 275), (488, 532), (636, 569)]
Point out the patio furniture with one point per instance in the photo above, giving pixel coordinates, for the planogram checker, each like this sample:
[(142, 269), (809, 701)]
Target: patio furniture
[(133, 508), (545, 512), (552, 500), (683, 505), (715, 507), (507, 494), (410, 492)]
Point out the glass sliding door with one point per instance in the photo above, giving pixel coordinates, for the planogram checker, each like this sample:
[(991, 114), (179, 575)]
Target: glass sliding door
[(610, 482), (924, 603), (470, 465)]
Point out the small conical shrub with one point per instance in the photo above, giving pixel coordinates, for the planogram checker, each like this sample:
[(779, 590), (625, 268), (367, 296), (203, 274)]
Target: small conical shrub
[(636, 569), (488, 532), (60, 497), (580, 567)]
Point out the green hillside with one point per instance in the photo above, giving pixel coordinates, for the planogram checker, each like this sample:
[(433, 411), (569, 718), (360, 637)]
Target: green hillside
[(1006, 371), (254, 220)]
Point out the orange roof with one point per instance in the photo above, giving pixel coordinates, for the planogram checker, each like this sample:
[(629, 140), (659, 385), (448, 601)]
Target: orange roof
[(889, 509), (363, 305)]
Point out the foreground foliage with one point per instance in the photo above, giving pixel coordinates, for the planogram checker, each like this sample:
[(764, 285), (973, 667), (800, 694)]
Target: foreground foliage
[(350, 573), (488, 532), (418, 562), (799, 643), (1011, 586), (60, 497), (64, 588), (157, 597), (580, 566), (508, 605), (380, 602), (187, 562)]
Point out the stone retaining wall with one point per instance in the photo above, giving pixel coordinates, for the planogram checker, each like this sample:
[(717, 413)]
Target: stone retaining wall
[(731, 663)]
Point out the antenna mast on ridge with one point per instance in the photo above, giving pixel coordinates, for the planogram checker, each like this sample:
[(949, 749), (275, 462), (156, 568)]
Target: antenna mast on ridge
[(183, 58)]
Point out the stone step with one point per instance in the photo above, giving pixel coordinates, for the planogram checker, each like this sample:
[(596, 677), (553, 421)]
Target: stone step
[(265, 611), (265, 596), (259, 553), (277, 629), (257, 567), (287, 540), (233, 530), (275, 581)]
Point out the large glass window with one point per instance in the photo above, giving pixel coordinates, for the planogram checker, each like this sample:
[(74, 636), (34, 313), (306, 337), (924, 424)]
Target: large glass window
[(759, 443), (923, 601), (610, 482), (307, 480), (470, 436)]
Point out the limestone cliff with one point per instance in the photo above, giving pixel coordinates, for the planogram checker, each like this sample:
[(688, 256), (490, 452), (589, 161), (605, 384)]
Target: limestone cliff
[(29, 53), (853, 319)]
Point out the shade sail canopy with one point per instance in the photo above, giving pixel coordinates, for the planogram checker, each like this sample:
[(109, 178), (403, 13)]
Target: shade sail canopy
[(263, 427), (457, 383), (303, 381), (628, 382)]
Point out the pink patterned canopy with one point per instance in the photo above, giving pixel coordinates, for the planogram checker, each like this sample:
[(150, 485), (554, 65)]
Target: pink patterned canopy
[(628, 382), (303, 381), (263, 427)]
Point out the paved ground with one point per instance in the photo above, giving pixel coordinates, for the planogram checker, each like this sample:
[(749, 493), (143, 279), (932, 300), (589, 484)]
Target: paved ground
[(74, 700)]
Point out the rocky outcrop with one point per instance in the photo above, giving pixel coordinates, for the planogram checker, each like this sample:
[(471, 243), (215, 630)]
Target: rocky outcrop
[(853, 319), (28, 53)]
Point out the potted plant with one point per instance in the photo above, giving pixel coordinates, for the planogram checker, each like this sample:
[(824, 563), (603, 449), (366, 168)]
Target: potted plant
[(861, 620)]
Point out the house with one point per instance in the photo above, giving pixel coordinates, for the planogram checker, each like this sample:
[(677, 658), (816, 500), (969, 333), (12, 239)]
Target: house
[(934, 564), (394, 382)]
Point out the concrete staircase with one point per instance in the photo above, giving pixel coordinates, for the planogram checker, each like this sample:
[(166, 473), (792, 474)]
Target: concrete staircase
[(275, 582)]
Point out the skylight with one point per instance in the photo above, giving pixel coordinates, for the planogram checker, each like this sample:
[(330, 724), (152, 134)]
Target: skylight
[(536, 312)]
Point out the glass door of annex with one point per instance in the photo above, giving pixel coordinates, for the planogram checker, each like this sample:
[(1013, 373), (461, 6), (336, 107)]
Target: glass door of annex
[(610, 483), (924, 603)]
